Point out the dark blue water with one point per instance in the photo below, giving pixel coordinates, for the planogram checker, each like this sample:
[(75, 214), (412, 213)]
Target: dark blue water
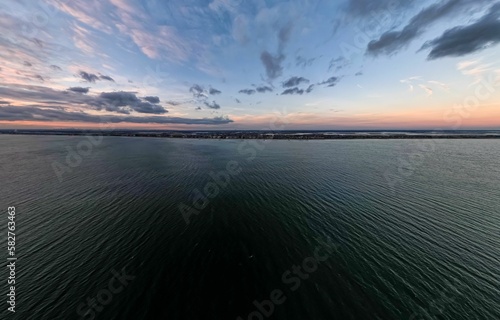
[(395, 229)]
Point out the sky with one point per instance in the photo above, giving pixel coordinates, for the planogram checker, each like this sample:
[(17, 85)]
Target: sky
[(250, 65)]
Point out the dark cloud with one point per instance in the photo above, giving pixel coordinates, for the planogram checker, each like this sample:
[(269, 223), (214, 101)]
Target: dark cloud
[(89, 77), (27, 64), (464, 40), (79, 89), (331, 82), (272, 64), (120, 98), (146, 107), (294, 81), (247, 91), (293, 91), (152, 99), (359, 74), (214, 91), (392, 41), (310, 88), (123, 102), (212, 105), (237, 100), (55, 68), (197, 91), (198, 108), (39, 77), (45, 95), (13, 113), (108, 78), (263, 89), (4, 102)]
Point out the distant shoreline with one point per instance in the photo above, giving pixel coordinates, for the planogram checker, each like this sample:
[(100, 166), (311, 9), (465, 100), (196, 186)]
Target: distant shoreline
[(361, 135)]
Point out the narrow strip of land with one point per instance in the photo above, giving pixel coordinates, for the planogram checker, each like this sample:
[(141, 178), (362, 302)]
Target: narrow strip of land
[(281, 135)]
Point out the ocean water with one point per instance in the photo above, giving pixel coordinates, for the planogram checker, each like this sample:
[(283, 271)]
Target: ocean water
[(392, 229)]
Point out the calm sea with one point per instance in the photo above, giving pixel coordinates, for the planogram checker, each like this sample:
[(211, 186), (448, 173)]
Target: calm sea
[(392, 229)]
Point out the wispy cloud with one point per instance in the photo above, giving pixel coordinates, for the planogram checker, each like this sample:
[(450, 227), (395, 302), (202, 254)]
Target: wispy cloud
[(331, 82), (213, 105), (426, 89), (293, 91), (247, 91), (263, 89), (294, 81)]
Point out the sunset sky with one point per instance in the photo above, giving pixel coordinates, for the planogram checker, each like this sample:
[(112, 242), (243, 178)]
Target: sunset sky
[(234, 64)]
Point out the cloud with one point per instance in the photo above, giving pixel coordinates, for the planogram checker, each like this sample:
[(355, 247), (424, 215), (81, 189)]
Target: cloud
[(247, 91), (284, 36), (409, 83), (108, 78), (338, 63), (89, 77), (146, 107), (119, 102), (310, 88), (152, 99), (27, 64), (331, 82), (303, 62), (212, 105), (214, 91), (272, 64), (369, 7), (39, 77), (197, 91), (79, 89), (237, 100), (173, 103), (358, 74), (294, 81), (463, 40), (292, 91), (240, 27), (426, 89), (392, 41), (55, 68), (444, 86), (26, 113), (197, 108), (4, 102), (263, 89), (123, 101)]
